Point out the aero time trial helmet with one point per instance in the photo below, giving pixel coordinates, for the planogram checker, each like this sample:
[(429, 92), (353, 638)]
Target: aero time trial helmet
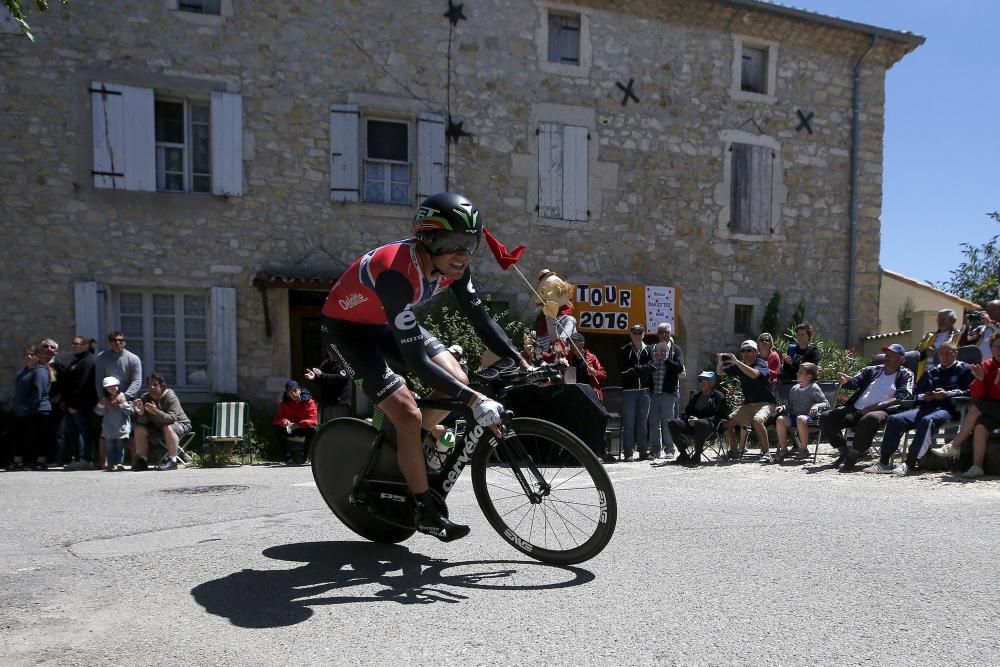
[(448, 222)]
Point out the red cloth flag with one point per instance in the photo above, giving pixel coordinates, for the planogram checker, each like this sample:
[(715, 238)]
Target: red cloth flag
[(505, 258)]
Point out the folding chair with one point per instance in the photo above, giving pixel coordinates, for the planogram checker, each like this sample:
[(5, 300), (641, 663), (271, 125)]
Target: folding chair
[(182, 455), (613, 431), (229, 427)]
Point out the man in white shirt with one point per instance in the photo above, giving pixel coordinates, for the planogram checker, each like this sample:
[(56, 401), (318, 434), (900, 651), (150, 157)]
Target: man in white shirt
[(878, 388)]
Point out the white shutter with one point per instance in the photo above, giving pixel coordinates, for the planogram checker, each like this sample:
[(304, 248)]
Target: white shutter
[(430, 155), (761, 185), (123, 136), (227, 144), (88, 306), (575, 162), (223, 353), (550, 170), (344, 152)]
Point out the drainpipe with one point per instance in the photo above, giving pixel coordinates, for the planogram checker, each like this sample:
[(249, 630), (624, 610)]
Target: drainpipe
[(855, 169)]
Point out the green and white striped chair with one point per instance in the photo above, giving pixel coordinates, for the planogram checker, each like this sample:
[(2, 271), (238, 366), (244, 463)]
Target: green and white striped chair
[(230, 427)]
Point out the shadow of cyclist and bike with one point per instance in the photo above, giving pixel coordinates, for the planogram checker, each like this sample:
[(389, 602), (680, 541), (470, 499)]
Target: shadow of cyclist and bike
[(351, 572)]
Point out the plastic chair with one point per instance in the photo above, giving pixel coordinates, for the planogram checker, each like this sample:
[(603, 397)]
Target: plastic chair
[(230, 426)]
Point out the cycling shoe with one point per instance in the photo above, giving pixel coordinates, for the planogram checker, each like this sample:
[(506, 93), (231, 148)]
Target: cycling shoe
[(432, 519)]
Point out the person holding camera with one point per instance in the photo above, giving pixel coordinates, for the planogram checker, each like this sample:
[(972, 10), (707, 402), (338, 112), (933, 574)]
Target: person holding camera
[(932, 340), (759, 399), (980, 326)]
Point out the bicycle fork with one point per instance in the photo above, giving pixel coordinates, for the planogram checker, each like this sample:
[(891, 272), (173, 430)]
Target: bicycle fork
[(518, 459)]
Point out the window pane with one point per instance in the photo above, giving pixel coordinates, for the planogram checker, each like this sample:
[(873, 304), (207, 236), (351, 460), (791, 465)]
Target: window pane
[(195, 352), (200, 113), (374, 182), (163, 304), (163, 327), (164, 350), (130, 302), (752, 71), (201, 183), (197, 375), (168, 371), (199, 6), (400, 193), (194, 327), (169, 121), (132, 326), (194, 305), (387, 141)]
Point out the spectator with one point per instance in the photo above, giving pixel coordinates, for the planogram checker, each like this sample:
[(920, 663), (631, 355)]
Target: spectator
[(799, 352), (118, 362), (635, 361), (160, 419), (934, 391), (296, 416), (32, 408), (668, 364), (805, 401), (48, 350), (766, 351), (983, 415), (980, 327), (759, 401), (706, 409), (80, 398), (334, 387), (116, 423), (932, 340), (589, 366), (877, 388)]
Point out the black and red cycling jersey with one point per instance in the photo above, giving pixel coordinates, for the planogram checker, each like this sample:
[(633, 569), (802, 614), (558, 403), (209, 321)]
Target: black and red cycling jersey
[(384, 286)]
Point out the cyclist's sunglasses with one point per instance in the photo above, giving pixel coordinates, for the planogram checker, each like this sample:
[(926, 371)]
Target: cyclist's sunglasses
[(449, 243)]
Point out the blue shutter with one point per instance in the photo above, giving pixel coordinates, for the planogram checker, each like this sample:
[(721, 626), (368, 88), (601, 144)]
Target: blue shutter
[(227, 144), (223, 353)]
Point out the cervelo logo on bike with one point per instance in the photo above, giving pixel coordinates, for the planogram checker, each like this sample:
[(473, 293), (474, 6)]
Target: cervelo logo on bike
[(471, 441)]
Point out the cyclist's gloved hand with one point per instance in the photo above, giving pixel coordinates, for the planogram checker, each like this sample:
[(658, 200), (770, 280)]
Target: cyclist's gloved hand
[(487, 411)]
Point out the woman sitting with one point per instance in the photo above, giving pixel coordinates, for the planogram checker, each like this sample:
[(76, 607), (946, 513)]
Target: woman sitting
[(296, 418)]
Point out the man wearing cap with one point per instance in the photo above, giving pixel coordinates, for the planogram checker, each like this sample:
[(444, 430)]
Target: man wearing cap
[(589, 366), (877, 388), (759, 400), (635, 360), (668, 365), (706, 409), (934, 394), (296, 417)]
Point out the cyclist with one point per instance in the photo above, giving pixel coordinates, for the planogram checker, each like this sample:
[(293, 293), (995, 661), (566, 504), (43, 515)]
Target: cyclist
[(368, 321)]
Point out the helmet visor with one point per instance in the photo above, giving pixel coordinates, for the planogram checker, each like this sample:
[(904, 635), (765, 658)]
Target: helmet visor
[(449, 243)]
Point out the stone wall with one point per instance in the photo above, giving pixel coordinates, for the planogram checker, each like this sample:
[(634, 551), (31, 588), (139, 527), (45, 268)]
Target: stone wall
[(658, 184)]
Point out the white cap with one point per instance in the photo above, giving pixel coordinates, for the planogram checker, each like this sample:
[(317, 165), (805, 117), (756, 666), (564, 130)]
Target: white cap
[(110, 381), (748, 343)]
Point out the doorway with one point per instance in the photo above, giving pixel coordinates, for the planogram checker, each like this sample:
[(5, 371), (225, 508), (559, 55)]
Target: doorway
[(304, 314)]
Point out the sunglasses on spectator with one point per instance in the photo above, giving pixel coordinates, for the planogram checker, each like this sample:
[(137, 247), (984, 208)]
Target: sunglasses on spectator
[(748, 349), (50, 347), (117, 340), (995, 345), (78, 342)]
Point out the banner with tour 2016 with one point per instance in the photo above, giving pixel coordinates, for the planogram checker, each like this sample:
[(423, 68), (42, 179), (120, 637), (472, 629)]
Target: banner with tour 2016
[(614, 307)]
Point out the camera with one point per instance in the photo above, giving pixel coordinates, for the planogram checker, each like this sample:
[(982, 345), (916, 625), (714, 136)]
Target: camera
[(976, 317)]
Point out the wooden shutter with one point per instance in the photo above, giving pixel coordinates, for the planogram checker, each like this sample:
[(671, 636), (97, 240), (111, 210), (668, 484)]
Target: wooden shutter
[(89, 309), (550, 170), (753, 71), (344, 152), (575, 163), (223, 353), (124, 138), (227, 144), (430, 155), (751, 191), (564, 39)]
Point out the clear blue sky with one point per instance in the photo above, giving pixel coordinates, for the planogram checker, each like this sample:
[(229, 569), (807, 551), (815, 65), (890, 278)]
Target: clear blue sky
[(942, 140)]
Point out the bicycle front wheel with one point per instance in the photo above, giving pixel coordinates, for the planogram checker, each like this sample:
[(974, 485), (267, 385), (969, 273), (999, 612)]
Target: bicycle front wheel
[(545, 493)]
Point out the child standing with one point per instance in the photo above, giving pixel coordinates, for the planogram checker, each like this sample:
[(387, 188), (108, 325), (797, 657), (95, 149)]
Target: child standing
[(116, 423), (805, 400)]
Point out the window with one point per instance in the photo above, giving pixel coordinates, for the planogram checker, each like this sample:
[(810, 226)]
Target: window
[(377, 160), (751, 189), (753, 70), (742, 319), (169, 332), (563, 161), (387, 162), (183, 146), (148, 142), (200, 6), (564, 38)]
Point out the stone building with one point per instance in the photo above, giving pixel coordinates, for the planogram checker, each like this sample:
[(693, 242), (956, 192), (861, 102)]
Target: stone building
[(195, 172)]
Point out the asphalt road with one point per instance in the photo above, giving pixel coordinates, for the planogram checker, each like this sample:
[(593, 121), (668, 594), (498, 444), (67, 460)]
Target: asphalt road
[(734, 564)]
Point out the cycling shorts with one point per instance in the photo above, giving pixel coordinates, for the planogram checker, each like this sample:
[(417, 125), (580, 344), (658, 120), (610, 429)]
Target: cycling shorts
[(369, 353)]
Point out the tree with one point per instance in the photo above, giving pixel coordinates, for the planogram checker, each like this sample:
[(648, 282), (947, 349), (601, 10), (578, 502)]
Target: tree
[(769, 321), (16, 9), (904, 316), (978, 277)]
